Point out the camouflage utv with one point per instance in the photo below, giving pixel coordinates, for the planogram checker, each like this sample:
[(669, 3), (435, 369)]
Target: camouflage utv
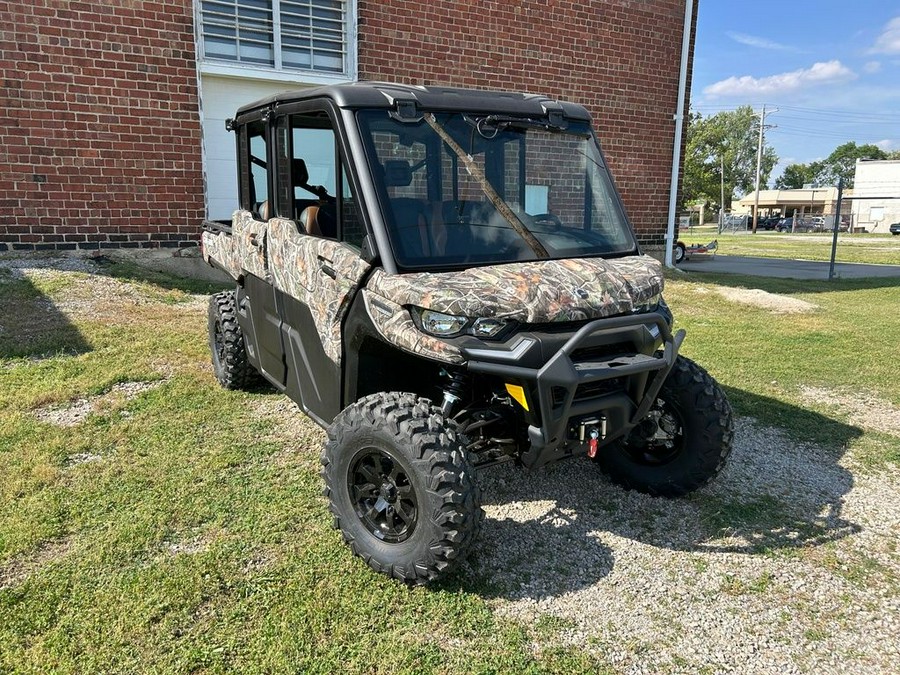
[(445, 279)]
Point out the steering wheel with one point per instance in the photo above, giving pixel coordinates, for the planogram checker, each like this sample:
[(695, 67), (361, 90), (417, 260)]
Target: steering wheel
[(548, 218)]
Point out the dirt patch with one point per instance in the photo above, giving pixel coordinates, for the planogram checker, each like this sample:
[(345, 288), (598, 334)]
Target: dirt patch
[(755, 297), (193, 542), (299, 439), (863, 410), (82, 458), (75, 412), (17, 570)]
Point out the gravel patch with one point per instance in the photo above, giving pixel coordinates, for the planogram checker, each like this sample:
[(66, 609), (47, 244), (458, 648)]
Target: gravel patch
[(90, 294), (18, 264), (75, 412), (755, 297), (863, 410), (786, 563)]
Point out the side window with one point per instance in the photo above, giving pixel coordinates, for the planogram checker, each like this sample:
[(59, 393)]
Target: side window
[(313, 188), (257, 198)]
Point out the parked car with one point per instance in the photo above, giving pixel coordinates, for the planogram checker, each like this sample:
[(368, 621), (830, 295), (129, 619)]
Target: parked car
[(767, 223), (895, 228), (784, 225)]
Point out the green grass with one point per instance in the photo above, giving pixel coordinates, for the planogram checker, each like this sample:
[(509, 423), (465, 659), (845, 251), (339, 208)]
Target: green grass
[(198, 540), (882, 249), (765, 359)]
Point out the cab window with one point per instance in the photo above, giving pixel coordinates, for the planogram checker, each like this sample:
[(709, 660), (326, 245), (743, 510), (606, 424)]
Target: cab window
[(313, 187), (255, 193)]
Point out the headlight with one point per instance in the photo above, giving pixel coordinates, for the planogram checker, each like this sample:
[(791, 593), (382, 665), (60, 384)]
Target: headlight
[(487, 327), (449, 325), (648, 305), (442, 325)]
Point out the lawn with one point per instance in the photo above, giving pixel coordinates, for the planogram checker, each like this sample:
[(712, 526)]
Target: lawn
[(882, 249), (152, 522)]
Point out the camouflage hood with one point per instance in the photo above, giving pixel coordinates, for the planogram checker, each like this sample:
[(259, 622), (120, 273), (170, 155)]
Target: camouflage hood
[(533, 292)]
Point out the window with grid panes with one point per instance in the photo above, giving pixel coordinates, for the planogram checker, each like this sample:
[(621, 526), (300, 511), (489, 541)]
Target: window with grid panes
[(281, 34)]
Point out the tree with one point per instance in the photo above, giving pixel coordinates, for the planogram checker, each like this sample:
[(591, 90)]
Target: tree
[(795, 176), (730, 136), (841, 163)]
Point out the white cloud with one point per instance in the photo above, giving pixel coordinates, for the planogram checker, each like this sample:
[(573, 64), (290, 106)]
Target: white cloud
[(872, 67), (824, 73), (889, 40), (888, 145), (761, 42)]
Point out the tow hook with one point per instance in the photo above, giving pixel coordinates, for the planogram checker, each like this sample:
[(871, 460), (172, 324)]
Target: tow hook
[(592, 444), (588, 429)]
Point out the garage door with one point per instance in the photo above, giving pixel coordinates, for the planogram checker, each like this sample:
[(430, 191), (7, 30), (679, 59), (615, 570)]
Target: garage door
[(221, 97)]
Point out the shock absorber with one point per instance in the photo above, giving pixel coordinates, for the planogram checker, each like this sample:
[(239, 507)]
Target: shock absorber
[(454, 391)]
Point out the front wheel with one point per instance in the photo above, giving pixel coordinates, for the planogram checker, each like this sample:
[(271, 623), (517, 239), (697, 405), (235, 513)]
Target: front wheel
[(682, 443), (401, 487), (679, 252)]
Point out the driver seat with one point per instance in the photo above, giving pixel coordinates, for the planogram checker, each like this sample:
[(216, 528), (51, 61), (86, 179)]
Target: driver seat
[(309, 219)]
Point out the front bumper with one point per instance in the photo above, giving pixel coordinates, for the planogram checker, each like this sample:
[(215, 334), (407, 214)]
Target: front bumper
[(610, 366)]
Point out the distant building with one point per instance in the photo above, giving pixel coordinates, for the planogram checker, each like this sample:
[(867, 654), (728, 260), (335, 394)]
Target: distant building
[(876, 194), (805, 202)]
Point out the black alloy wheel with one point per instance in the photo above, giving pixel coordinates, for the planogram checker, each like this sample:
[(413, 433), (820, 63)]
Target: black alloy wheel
[(401, 486), (386, 501)]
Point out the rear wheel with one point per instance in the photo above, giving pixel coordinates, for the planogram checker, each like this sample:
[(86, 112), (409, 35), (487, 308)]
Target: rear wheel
[(679, 252), (401, 487), (226, 344), (682, 443)]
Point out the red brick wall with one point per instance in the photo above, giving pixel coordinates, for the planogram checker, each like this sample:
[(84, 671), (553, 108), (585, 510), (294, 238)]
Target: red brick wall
[(619, 58), (99, 124)]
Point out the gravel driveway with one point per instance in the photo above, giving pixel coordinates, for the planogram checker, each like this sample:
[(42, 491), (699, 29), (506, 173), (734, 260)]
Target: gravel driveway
[(786, 563)]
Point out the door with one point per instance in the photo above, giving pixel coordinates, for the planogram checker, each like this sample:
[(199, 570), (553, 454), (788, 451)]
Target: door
[(314, 258), (257, 308)]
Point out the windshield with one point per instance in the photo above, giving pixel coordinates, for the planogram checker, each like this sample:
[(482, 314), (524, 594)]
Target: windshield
[(460, 189)]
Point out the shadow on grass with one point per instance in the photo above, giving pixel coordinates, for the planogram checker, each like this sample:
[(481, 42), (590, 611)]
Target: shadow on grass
[(31, 325), (558, 530), (786, 286), (127, 271)]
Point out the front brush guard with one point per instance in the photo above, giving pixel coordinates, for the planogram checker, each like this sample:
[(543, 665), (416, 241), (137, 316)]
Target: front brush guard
[(561, 372)]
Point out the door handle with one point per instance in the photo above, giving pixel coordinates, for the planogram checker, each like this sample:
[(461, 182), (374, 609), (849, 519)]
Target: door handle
[(328, 269), (254, 241), (325, 266)]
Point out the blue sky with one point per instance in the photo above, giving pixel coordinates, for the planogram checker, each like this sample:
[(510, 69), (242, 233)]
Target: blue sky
[(831, 68)]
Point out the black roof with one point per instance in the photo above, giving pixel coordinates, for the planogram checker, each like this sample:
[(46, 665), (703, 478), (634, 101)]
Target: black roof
[(384, 94)]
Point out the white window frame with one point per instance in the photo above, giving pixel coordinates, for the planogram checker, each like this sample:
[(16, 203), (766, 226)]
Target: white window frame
[(277, 73)]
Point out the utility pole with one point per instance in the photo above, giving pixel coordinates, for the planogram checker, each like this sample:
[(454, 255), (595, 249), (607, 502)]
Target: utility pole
[(837, 226), (759, 149), (722, 198)]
